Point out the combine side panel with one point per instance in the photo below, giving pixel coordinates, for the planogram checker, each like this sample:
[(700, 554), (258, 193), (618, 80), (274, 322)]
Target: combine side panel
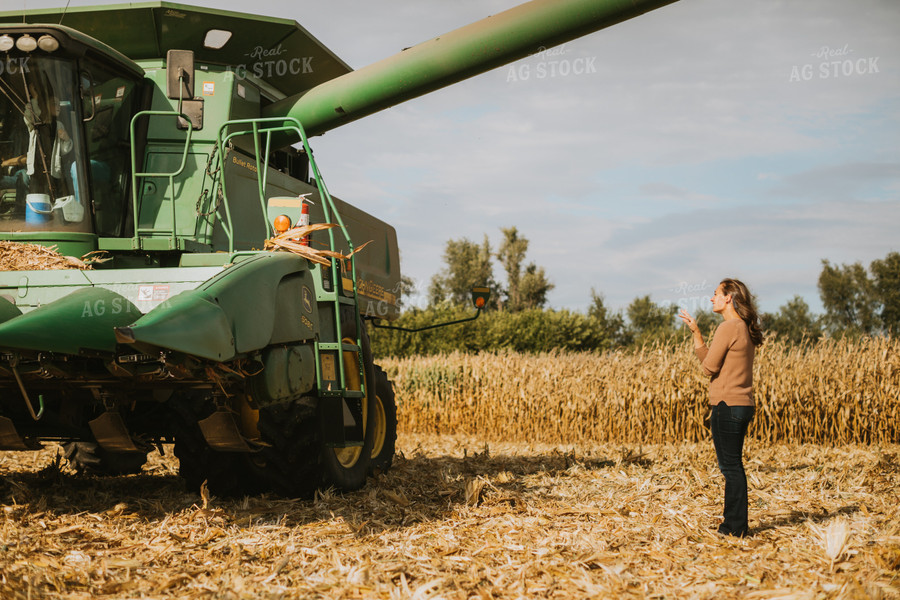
[(248, 306)]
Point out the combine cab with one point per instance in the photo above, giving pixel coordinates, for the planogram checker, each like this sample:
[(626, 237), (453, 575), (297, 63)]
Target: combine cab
[(169, 141)]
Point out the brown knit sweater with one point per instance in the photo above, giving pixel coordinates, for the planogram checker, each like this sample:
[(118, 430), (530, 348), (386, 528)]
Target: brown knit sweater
[(729, 363)]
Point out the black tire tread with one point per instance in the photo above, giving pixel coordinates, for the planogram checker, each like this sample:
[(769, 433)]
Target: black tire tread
[(289, 462), (91, 458), (385, 390), (226, 473)]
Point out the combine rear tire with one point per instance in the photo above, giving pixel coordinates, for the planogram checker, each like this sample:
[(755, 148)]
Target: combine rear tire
[(385, 423), (91, 458)]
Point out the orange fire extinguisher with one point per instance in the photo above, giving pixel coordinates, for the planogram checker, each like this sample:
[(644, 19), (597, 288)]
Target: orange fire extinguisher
[(304, 221), (304, 216)]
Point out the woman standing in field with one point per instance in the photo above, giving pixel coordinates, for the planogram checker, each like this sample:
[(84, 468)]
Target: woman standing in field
[(728, 361)]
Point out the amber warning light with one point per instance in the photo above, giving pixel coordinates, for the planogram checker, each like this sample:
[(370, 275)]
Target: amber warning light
[(480, 297), (281, 224)]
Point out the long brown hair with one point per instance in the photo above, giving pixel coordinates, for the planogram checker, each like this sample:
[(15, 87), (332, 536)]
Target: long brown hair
[(743, 304)]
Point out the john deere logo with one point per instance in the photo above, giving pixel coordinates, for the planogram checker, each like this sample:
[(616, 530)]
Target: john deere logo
[(307, 299)]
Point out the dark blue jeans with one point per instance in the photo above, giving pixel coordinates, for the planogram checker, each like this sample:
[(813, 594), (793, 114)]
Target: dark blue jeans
[(729, 426)]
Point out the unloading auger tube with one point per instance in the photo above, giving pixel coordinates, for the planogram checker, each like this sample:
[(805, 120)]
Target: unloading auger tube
[(174, 163), (454, 56)]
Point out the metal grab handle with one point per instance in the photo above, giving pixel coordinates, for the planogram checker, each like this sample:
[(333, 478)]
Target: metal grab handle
[(40, 413)]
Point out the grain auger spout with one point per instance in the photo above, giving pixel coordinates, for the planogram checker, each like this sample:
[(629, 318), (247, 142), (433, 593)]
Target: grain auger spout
[(158, 136)]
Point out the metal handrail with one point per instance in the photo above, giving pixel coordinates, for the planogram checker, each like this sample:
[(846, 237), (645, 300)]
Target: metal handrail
[(135, 174)]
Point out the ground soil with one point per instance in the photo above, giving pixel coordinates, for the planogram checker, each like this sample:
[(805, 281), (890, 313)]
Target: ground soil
[(456, 518)]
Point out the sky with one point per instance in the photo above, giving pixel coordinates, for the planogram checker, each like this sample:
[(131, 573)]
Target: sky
[(703, 140)]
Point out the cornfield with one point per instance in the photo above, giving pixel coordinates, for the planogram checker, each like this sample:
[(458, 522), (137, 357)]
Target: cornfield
[(835, 392)]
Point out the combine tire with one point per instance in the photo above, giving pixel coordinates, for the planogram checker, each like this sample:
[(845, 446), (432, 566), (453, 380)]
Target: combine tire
[(288, 463), (226, 474), (91, 458), (347, 468), (385, 423), (292, 460)]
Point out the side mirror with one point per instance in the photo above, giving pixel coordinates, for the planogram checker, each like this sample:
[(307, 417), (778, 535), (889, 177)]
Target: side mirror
[(180, 86), (480, 296), (180, 74)]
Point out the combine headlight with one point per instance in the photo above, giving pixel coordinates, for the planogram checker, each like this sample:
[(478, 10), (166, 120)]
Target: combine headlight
[(48, 43), (26, 43), (6, 42)]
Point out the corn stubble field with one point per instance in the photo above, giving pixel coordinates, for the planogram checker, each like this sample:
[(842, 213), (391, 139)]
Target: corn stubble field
[(552, 476)]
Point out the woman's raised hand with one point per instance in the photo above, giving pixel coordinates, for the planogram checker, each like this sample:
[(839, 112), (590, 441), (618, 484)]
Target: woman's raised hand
[(688, 320)]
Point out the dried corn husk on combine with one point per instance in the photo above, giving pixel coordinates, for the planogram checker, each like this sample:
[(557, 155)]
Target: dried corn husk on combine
[(290, 241)]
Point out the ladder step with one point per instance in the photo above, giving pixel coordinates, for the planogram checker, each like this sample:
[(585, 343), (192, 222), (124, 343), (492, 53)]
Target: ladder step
[(338, 346), (341, 394), (326, 296)]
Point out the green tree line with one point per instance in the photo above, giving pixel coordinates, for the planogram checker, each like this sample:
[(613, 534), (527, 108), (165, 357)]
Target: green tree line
[(857, 301)]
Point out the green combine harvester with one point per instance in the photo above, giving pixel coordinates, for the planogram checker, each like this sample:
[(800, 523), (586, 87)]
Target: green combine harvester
[(173, 142)]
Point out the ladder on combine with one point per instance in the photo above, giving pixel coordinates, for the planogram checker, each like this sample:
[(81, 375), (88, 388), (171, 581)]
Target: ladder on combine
[(340, 355)]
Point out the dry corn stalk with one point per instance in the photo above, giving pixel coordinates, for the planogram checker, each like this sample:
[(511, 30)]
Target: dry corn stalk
[(835, 539), (290, 241), (474, 490)]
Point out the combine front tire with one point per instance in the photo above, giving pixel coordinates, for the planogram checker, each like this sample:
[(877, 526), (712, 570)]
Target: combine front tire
[(225, 473), (347, 468), (288, 461), (88, 457)]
